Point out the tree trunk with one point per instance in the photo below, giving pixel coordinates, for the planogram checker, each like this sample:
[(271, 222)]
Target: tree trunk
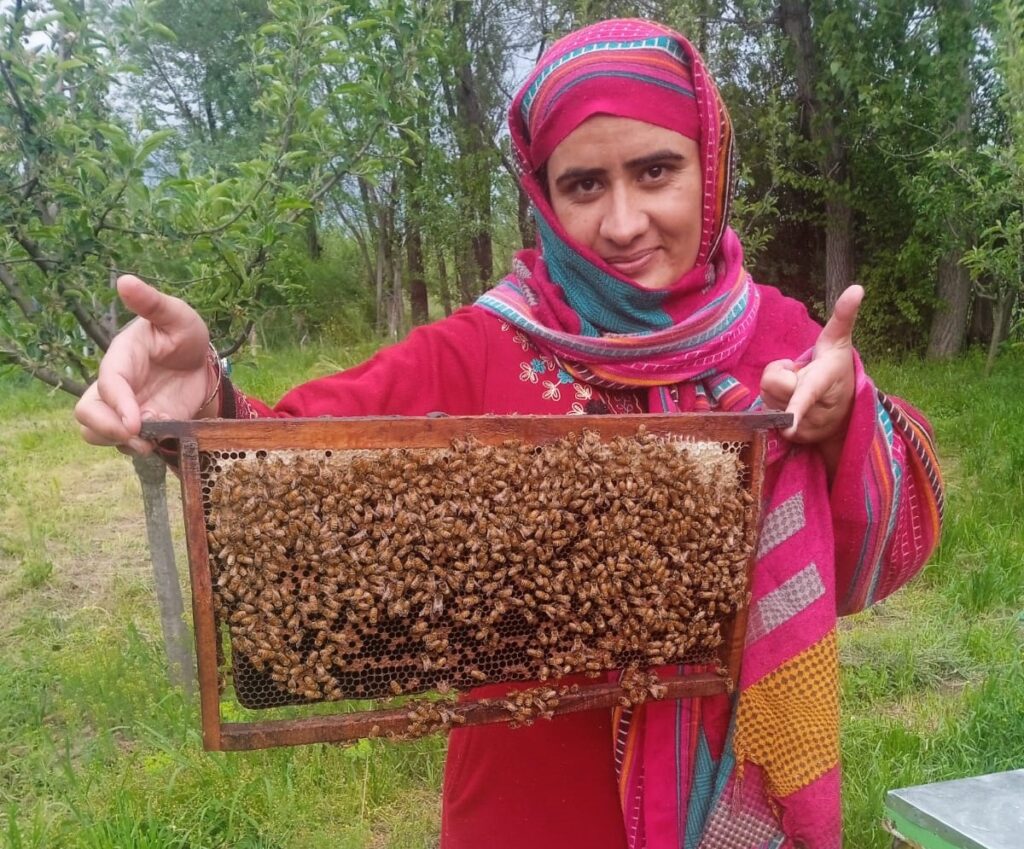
[(313, 245), (379, 273), (414, 222), (1002, 314), (177, 642), (839, 264), (524, 217), (373, 212), (818, 123), (483, 253), (396, 303), (475, 150), (418, 302), (442, 276), (949, 324), (1002, 307), (465, 271)]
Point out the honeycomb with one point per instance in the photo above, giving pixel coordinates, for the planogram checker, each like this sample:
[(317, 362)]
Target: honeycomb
[(362, 574)]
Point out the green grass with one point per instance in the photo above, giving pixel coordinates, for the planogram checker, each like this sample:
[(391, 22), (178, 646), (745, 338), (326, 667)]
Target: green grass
[(933, 679), (97, 751)]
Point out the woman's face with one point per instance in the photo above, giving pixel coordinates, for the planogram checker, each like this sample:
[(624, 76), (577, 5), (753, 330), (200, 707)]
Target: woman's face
[(631, 192)]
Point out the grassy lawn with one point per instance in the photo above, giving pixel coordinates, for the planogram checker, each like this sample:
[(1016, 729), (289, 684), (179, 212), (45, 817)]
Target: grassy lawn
[(97, 751)]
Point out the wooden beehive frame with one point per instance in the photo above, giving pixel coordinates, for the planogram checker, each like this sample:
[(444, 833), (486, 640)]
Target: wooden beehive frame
[(191, 439)]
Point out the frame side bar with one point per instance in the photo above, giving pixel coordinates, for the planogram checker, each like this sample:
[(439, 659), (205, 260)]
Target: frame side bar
[(737, 639), (203, 620)]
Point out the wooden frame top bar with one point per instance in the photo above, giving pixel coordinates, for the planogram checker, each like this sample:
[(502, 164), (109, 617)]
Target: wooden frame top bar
[(433, 432)]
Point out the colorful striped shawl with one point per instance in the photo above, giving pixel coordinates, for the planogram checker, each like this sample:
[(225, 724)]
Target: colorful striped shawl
[(713, 335)]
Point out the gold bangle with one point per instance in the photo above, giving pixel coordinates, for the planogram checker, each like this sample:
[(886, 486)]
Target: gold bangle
[(213, 361)]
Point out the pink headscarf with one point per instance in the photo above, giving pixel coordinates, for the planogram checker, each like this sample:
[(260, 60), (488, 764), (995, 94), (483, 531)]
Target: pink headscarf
[(650, 82)]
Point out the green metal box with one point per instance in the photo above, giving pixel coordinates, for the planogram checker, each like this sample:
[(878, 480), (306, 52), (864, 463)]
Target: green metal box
[(983, 812)]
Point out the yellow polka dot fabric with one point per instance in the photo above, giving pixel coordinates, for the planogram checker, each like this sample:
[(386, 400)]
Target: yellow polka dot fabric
[(788, 722)]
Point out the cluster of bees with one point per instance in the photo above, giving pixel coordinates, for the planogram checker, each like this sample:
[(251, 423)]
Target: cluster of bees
[(367, 575), (638, 686), (524, 706)]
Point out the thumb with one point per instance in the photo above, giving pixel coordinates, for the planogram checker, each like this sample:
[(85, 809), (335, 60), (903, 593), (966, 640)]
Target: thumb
[(839, 329), (162, 311)]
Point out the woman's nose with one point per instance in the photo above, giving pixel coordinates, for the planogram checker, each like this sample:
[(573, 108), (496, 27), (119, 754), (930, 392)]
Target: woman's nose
[(624, 219)]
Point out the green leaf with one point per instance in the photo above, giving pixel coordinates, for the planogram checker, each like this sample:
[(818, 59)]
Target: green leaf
[(288, 204), (111, 132), (71, 65), (164, 30), (151, 143)]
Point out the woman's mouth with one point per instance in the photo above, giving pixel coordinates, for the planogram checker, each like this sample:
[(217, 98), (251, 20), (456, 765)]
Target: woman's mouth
[(634, 263)]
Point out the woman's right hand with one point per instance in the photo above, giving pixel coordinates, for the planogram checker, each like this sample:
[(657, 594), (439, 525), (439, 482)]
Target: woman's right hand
[(157, 368)]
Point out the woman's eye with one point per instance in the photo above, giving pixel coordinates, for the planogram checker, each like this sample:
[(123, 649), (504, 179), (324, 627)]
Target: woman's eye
[(656, 172), (587, 185)]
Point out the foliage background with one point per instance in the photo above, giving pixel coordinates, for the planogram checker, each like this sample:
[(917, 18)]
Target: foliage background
[(296, 168)]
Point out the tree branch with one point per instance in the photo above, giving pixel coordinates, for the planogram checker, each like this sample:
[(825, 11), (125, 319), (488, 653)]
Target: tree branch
[(46, 375), (239, 340), (14, 289), (102, 223), (357, 235), (16, 18), (79, 364), (26, 118), (182, 105), (93, 329), (339, 174)]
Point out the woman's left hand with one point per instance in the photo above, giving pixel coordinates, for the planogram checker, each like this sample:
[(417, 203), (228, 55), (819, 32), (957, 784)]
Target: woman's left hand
[(819, 393)]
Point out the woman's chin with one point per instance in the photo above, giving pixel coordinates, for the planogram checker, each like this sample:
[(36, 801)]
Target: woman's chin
[(654, 279)]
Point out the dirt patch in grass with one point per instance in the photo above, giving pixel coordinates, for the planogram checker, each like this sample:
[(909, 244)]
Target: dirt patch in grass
[(96, 541)]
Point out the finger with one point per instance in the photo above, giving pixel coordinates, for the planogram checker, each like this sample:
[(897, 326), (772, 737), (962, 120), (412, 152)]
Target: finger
[(99, 423), (117, 394), (778, 381), (129, 445), (785, 364), (97, 437), (136, 448), (811, 387), (159, 309), (839, 329)]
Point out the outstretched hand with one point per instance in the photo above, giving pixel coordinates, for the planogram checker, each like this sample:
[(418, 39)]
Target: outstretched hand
[(819, 393), (155, 369)]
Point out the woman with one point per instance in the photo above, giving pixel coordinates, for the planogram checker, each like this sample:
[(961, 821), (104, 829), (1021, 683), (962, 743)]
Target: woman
[(636, 301)]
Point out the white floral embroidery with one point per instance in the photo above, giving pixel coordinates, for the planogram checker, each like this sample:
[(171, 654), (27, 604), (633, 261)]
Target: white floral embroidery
[(583, 391), (577, 409), (552, 392), (528, 373), (504, 325), (523, 341), (548, 362)]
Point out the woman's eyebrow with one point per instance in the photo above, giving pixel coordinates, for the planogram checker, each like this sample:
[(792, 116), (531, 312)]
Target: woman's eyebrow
[(570, 174), (655, 158)]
